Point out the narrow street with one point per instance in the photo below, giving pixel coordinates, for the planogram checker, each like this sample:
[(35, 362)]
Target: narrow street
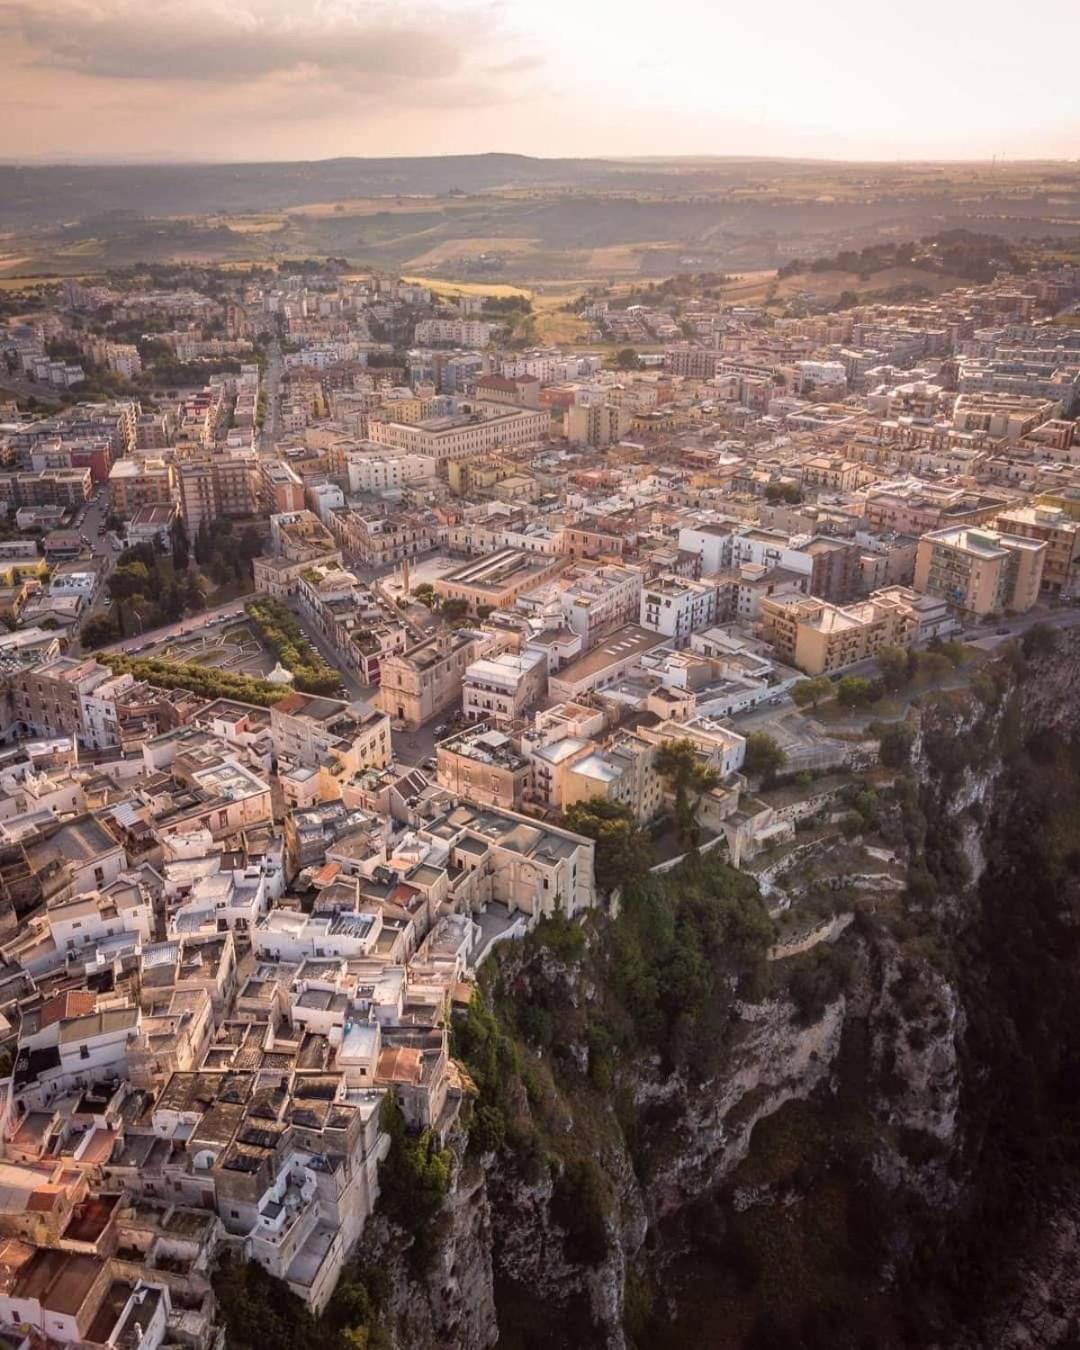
[(272, 386)]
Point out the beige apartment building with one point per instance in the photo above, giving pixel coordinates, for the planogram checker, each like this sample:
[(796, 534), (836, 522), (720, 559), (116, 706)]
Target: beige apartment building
[(446, 438), (500, 688), (597, 424), (831, 472), (980, 571), (226, 485), (482, 765), (820, 638), (622, 772), (196, 482), (425, 680), (141, 482), (236, 483), (1002, 416), (1061, 569)]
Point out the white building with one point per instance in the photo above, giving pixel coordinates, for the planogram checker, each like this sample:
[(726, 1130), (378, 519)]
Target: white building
[(676, 607), (501, 688)]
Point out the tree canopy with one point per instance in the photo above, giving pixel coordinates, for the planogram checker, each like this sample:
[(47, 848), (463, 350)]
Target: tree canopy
[(623, 849), (765, 756), (689, 777)]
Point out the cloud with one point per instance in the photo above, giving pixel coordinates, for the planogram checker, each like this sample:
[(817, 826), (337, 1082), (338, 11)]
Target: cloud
[(368, 47)]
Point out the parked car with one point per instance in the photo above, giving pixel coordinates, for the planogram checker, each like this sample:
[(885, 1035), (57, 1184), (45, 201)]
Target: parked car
[(440, 730), (1002, 632)]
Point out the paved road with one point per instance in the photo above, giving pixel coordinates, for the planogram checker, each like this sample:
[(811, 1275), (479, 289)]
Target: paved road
[(233, 610), (104, 556), (21, 387), (272, 382), (357, 690), (413, 747)]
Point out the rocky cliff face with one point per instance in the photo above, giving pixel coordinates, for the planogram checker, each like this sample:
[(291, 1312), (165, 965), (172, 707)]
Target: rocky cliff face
[(816, 1170)]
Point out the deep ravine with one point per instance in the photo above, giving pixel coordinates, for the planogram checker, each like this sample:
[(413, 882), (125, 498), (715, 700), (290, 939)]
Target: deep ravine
[(871, 1143)]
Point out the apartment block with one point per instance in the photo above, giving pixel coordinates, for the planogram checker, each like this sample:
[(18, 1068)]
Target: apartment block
[(821, 639), (1061, 568), (675, 607), (597, 424), (501, 688), (623, 772), (445, 438), (981, 571), (482, 765)]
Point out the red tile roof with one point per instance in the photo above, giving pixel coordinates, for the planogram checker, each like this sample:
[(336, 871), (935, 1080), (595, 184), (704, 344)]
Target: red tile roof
[(63, 1007)]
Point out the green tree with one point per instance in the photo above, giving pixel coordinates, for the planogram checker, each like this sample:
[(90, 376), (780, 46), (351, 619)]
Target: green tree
[(689, 778), (1038, 640), (623, 850), (194, 599), (764, 757), (894, 745), (934, 666), (97, 631), (627, 359), (853, 692), (129, 580), (893, 665), (413, 1179), (454, 610), (809, 693)]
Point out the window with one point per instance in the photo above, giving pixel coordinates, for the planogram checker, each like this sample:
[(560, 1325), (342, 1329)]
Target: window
[(84, 1051)]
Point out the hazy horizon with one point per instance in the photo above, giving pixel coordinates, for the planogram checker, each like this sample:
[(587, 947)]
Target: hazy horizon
[(74, 159), (266, 81)]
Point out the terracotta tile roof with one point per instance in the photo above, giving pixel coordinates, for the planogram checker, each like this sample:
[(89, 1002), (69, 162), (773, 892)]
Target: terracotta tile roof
[(400, 1064), (44, 1199), (71, 1003)]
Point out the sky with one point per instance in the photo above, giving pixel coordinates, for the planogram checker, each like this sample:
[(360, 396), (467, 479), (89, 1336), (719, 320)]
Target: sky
[(315, 79)]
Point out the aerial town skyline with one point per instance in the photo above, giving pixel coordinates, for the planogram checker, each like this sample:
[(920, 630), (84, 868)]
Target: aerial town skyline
[(539, 676)]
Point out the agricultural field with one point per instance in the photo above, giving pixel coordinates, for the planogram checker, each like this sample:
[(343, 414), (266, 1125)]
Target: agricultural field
[(494, 221)]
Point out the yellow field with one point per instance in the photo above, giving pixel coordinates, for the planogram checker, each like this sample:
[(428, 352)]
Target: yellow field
[(30, 283), (497, 289), (553, 324), (83, 249), (363, 206), (450, 250), (619, 258), (268, 224)]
